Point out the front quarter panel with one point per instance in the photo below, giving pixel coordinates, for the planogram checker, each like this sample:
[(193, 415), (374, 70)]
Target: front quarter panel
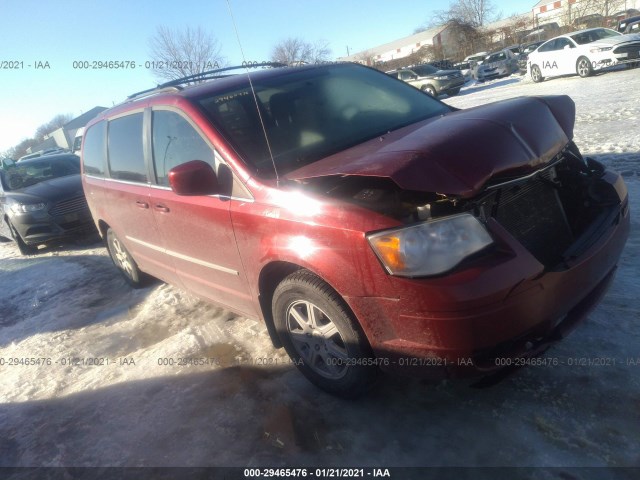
[(318, 235)]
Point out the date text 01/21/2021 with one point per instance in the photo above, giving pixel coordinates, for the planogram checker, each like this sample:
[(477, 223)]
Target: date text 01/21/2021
[(317, 472)]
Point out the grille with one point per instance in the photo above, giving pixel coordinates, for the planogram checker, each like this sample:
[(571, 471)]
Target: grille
[(533, 214), (73, 205), (633, 48)]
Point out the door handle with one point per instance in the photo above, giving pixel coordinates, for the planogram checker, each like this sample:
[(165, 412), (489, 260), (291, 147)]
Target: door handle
[(142, 204), (162, 208)]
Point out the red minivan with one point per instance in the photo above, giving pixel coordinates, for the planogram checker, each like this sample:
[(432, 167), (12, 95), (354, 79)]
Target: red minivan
[(368, 224)]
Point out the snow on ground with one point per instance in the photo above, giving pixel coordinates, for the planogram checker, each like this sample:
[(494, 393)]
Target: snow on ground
[(70, 303)]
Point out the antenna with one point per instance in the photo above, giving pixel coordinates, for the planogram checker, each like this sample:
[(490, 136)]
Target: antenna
[(255, 98)]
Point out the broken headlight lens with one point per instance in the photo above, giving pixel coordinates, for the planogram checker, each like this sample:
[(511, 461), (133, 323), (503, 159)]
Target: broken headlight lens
[(431, 247)]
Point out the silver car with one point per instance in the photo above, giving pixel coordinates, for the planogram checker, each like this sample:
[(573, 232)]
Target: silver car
[(498, 64)]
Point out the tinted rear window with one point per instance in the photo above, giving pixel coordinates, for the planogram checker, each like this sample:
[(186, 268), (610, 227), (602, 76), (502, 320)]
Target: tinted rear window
[(126, 154)]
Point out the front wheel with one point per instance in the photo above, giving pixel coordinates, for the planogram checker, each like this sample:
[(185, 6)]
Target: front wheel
[(584, 67), (536, 74), (125, 262), (454, 92), (321, 336), (429, 90)]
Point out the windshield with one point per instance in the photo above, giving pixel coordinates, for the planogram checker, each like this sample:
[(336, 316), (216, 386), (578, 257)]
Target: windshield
[(27, 173), (312, 113), (424, 70), (594, 35)]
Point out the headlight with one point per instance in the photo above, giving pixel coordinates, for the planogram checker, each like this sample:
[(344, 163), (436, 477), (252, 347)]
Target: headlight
[(431, 247), (18, 208), (600, 49)]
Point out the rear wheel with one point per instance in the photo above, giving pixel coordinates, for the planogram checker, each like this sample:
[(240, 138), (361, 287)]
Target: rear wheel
[(125, 262), (22, 246), (584, 67), (321, 336), (536, 74)]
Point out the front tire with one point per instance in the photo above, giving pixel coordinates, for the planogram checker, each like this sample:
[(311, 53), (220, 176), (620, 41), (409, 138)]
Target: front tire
[(454, 92), (125, 262), (536, 74), (584, 67), (321, 336), (429, 90)]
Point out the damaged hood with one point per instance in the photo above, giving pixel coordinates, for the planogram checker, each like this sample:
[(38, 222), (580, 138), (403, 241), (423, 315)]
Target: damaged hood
[(457, 153)]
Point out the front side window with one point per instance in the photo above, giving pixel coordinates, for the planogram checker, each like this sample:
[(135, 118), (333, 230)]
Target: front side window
[(548, 47), (561, 43), (126, 154), (175, 142)]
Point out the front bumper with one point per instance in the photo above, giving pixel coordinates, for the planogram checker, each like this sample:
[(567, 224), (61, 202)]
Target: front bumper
[(621, 55), (445, 86), (498, 309), (40, 227)]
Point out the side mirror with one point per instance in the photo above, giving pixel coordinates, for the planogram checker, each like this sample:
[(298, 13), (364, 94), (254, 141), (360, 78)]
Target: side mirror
[(567, 47), (193, 178)]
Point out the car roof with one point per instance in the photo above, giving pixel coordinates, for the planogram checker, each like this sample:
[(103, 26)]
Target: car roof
[(211, 86), (41, 158)]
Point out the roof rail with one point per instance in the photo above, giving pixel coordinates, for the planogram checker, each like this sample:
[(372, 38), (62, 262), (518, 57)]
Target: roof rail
[(152, 91), (174, 85)]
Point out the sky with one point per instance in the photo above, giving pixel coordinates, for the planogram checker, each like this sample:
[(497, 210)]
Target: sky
[(54, 35)]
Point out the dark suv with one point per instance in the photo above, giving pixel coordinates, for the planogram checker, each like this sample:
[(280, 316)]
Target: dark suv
[(368, 224)]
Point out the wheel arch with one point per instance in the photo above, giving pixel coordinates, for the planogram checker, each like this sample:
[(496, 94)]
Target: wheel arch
[(271, 275)]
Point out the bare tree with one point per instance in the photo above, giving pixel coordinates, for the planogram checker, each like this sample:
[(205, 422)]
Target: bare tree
[(366, 58), (474, 12), (52, 125), (295, 50), (179, 53), (589, 13)]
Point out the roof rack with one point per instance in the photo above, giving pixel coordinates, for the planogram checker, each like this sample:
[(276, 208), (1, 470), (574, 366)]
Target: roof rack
[(176, 85)]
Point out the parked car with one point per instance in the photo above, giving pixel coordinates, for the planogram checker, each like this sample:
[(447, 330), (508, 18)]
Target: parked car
[(582, 53), (30, 156), (523, 58), (593, 20), (478, 58), (496, 65), (430, 79), (42, 201), (624, 23), (6, 163), (465, 68), (632, 27), (542, 33), (369, 225)]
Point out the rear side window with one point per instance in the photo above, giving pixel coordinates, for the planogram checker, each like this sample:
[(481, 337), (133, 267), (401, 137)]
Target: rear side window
[(175, 142), (126, 155), (93, 154)]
